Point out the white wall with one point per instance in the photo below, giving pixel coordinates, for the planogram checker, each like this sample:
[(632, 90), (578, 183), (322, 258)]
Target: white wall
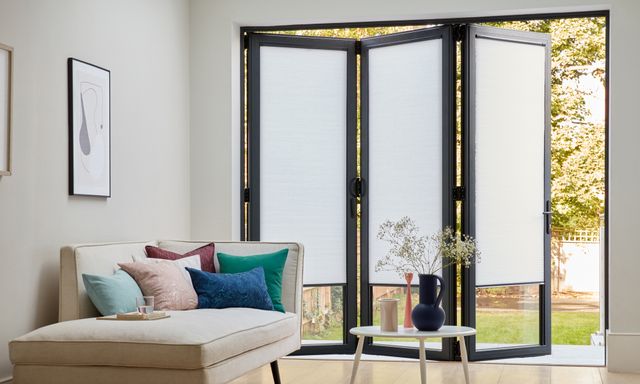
[(145, 44), (215, 131)]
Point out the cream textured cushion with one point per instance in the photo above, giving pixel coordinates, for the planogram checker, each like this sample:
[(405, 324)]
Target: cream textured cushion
[(187, 340), (186, 262), (165, 282)]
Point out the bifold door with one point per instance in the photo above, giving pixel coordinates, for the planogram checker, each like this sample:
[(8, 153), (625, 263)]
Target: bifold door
[(507, 296), (408, 162), (302, 159), (304, 183)]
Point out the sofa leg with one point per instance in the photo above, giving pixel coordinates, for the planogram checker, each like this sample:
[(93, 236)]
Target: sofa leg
[(275, 372)]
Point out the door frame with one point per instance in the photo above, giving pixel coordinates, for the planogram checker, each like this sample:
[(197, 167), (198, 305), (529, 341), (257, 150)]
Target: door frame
[(243, 190), (445, 33), (252, 195), (468, 179)]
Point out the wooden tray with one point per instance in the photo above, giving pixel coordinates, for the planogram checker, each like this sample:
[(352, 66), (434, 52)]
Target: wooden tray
[(135, 316)]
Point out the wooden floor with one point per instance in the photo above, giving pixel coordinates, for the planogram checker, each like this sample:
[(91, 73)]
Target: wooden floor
[(395, 372)]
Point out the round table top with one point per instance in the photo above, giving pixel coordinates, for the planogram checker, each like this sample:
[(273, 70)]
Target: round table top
[(445, 331)]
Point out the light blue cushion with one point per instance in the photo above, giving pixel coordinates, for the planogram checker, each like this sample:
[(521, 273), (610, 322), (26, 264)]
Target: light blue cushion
[(112, 294), (226, 290)]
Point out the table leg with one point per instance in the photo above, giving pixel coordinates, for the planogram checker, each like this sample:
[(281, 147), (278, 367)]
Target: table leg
[(423, 363), (465, 361), (356, 361)]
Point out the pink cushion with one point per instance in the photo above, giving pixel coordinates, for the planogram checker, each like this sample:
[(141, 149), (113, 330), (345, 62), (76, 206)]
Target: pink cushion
[(166, 283), (206, 255)]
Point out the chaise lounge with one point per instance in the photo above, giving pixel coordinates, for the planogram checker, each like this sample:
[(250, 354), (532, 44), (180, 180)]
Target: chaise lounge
[(196, 346)]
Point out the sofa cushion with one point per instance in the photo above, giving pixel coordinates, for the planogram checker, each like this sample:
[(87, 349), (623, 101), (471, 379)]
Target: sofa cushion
[(187, 340), (182, 264), (112, 294), (226, 290), (205, 252), (165, 282), (273, 264), (291, 276)]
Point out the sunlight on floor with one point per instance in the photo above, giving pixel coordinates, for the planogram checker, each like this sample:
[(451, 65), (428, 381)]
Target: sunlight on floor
[(307, 371)]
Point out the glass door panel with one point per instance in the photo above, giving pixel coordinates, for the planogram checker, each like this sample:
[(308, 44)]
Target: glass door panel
[(508, 316), (506, 173), (407, 164), (302, 159)]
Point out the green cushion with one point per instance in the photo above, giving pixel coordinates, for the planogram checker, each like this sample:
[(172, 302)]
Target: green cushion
[(112, 294), (272, 263)]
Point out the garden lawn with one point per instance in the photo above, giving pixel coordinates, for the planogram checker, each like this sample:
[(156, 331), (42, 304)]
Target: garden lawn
[(510, 327), (521, 327)]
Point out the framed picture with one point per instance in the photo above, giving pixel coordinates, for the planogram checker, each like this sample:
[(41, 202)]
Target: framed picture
[(89, 129), (6, 91)]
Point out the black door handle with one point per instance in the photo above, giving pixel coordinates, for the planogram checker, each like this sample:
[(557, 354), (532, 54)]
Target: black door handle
[(357, 190), (547, 216)]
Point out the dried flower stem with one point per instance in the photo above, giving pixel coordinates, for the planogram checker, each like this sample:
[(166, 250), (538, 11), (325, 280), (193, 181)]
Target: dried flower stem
[(411, 252)]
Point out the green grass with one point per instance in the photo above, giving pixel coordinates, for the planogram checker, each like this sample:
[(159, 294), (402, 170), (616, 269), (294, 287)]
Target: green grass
[(507, 327), (511, 327), (574, 328), (332, 333)]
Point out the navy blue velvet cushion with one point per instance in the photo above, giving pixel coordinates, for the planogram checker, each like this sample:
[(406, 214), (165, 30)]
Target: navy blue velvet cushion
[(224, 290)]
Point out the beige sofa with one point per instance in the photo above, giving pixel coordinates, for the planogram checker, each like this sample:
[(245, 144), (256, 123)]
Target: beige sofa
[(198, 346)]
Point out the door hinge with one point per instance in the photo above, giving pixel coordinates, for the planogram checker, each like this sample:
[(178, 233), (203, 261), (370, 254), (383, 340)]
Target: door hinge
[(246, 195), (456, 349), (458, 31), (358, 47), (458, 193)]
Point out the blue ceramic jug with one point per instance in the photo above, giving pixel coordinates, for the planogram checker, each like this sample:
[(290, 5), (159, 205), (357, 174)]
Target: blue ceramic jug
[(428, 315)]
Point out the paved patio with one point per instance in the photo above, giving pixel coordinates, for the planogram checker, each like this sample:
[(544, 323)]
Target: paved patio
[(573, 355)]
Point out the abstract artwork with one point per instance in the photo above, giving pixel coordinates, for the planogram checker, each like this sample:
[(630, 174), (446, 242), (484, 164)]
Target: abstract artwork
[(6, 69), (89, 129)]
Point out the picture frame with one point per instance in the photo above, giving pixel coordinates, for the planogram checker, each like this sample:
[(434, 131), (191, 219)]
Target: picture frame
[(6, 107), (89, 129)]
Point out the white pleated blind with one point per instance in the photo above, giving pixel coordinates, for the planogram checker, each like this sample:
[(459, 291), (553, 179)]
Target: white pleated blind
[(509, 161), (303, 155), (405, 142)]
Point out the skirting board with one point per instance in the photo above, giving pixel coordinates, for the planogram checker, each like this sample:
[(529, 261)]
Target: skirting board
[(622, 356)]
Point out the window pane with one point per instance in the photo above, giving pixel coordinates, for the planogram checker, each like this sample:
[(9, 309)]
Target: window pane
[(400, 294), (508, 316), (323, 312)]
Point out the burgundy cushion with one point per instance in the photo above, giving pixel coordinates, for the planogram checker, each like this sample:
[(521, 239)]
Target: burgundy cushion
[(206, 255)]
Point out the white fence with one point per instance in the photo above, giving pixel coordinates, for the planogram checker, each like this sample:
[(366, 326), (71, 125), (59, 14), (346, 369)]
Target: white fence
[(576, 261)]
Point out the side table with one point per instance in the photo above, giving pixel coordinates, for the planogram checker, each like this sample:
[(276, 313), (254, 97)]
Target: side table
[(412, 333)]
